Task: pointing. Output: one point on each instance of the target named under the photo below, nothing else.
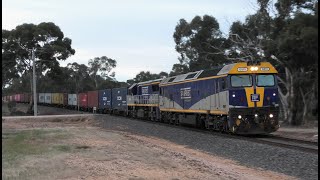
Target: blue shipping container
(105, 99)
(119, 99)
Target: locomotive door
(214, 100)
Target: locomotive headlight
(271, 115)
(255, 115)
(274, 94)
(233, 95)
(239, 117)
(254, 68)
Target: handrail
(143, 99)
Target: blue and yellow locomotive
(238, 98)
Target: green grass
(18, 147)
(18, 144)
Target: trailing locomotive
(240, 98)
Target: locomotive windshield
(265, 80)
(241, 81)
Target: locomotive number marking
(255, 97)
(144, 90)
(185, 93)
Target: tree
(45, 40)
(79, 76)
(290, 42)
(146, 76)
(9, 71)
(104, 65)
(179, 69)
(296, 49)
(194, 42)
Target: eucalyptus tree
(102, 66)
(45, 40)
(195, 41)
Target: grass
(18, 144)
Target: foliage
(194, 42)
(288, 39)
(104, 65)
(45, 40)
(146, 76)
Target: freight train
(239, 98)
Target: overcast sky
(136, 33)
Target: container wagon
(93, 99)
(48, 97)
(83, 101)
(105, 101)
(119, 101)
(72, 101)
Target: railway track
(307, 146)
(296, 144)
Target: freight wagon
(105, 101)
(83, 101)
(119, 100)
(93, 100)
(72, 101)
(47, 98)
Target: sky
(138, 34)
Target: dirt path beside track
(75, 147)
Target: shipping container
(119, 100)
(105, 100)
(22, 98)
(93, 100)
(72, 100)
(64, 99)
(17, 97)
(41, 98)
(47, 99)
(83, 101)
(55, 98)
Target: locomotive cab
(253, 98)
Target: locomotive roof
(155, 81)
(235, 68)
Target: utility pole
(35, 108)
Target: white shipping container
(47, 98)
(41, 97)
(72, 100)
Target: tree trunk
(287, 100)
(95, 81)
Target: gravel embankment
(291, 162)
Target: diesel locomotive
(240, 98)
